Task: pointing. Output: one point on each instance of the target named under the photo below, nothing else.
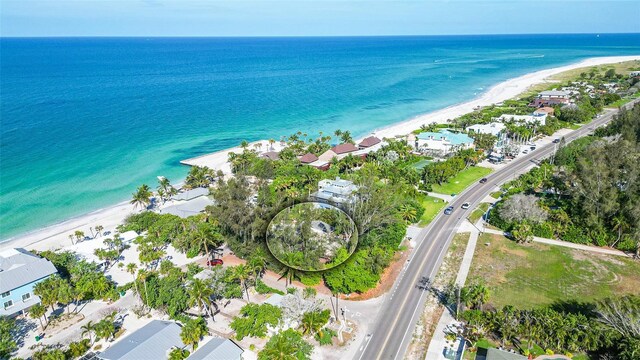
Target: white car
(465, 205)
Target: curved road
(397, 317)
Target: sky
(313, 17)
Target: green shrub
(311, 278)
(263, 288)
(325, 336)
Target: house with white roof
(338, 191)
(539, 118)
(494, 128)
(217, 349)
(20, 271)
(442, 143)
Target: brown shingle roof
(370, 141)
(308, 158)
(272, 155)
(344, 148)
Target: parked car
(532, 148)
(556, 140)
(453, 195)
(215, 262)
(448, 210)
(525, 151)
(483, 180)
(465, 205)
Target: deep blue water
(86, 120)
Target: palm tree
(408, 213)
(71, 237)
(279, 349)
(79, 235)
(312, 323)
(88, 328)
(242, 273)
(193, 331)
(99, 229)
(257, 263)
(619, 224)
(244, 144)
(143, 274)
(271, 142)
(200, 294)
(38, 311)
(141, 197)
(132, 269)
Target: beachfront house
(271, 155)
(551, 97)
(494, 128)
(153, 341)
(369, 142)
(20, 271)
(308, 158)
(442, 143)
(335, 192)
(538, 119)
(344, 149)
(634, 74)
(188, 203)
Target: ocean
(84, 121)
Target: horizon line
(308, 36)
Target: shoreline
(56, 235)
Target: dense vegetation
(609, 329)
(588, 193)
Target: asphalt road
(399, 314)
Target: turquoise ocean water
(83, 121)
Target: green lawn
(532, 275)
(432, 207)
(478, 212)
(463, 179)
(496, 194)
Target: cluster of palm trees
(103, 329)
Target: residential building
(496, 354)
(20, 271)
(634, 74)
(369, 142)
(271, 155)
(338, 191)
(217, 349)
(153, 341)
(327, 156)
(191, 194)
(344, 148)
(493, 128)
(544, 110)
(308, 158)
(535, 118)
(551, 97)
(442, 143)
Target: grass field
(535, 274)
(496, 194)
(432, 207)
(463, 179)
(478, 212)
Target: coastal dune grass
(462, 180)
(532, 275)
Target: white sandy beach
(56, 236)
